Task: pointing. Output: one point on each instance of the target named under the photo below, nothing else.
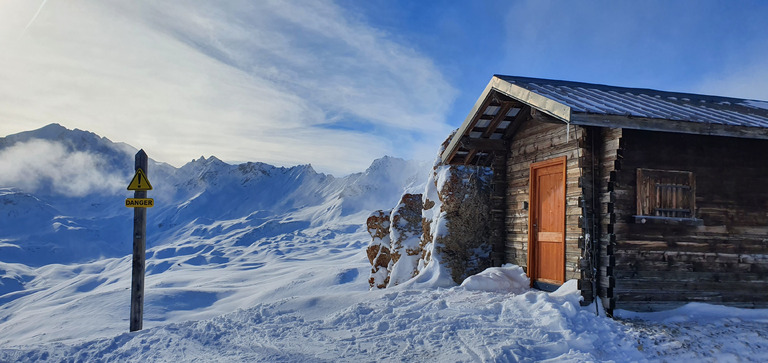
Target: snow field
(258, 263)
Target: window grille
(666, 193)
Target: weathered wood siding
(498, 209)
(591, 149)
(609, 159)
(537, 141)
(658, 266)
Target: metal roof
(586, 98)
(589, 104)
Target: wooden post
(139, 251)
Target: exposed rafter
(519, 119)
(500, 116)
(471, 121)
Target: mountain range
(62, 208)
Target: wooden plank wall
(538, 141)
(660, 266)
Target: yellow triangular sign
(140, 181)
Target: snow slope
(253, 262)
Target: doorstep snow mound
(508, 278)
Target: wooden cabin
(649, 199)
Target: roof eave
(666, 125)
(454, 143)
(537, 101)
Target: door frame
(533, 199)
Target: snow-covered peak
(303, 169)
(212, 160)
(72, 140)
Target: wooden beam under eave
(483, 144)
(496, 121)
(521, 117)
(468, 159)
(685, 127)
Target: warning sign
(140, 181)
(139, 202)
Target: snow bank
(508, 278)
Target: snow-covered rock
(451, 241)
(456, 210)
(379, 249)
(405, 232)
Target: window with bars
(666, 194)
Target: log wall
(660, 265)
(498, 209)
(537, 141)
(609, 160)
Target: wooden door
(546, 232)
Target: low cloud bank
(48, 167)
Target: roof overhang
(664, 125)
(475, 142)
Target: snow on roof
(586, 98)
(755, 104)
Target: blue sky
(338, 84)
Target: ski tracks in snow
(445, 325)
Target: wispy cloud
(739, 79)
(676, 46)
(273, 81)
(40, 164)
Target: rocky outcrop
(394, 250)
(456, 227)
(379, 249)
(405, 233)
(444, 231)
